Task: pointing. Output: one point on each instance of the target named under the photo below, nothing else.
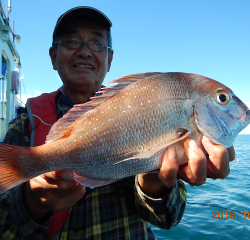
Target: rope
(42, 120)
(211, 205)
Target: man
(53, 205)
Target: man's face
(82, 68)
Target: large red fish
(125, 131)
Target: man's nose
(84, 51)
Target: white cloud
(24, 97)
(37, 92)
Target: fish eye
(222, 97)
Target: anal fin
(91, 183)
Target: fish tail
(10, 173)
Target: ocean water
(219, 209)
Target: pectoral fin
(155, 150)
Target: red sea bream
(125, 131)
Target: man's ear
(110, 58)
(52, 53)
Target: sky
(206, 37)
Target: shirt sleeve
(163, 212)
(18, 132)
(15, 222)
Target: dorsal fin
(63, 127)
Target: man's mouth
(83, 66)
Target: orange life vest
(42, 115)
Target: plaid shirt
(116, 211)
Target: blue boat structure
(10, 69)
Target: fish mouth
(245, 118)
(84, 65)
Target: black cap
(83, 12)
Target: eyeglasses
(76, 44)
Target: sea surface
(219, 209)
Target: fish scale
(126, 130)
(128, 147)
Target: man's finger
(60, 180)
(218, 164)
(64, 175)
(60, 175)
(195, 171)
(231, 153)
(169, 167)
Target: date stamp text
(227, 214)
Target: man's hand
(54, 191)
(156, 185)
(195, 172)
(199, 167)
